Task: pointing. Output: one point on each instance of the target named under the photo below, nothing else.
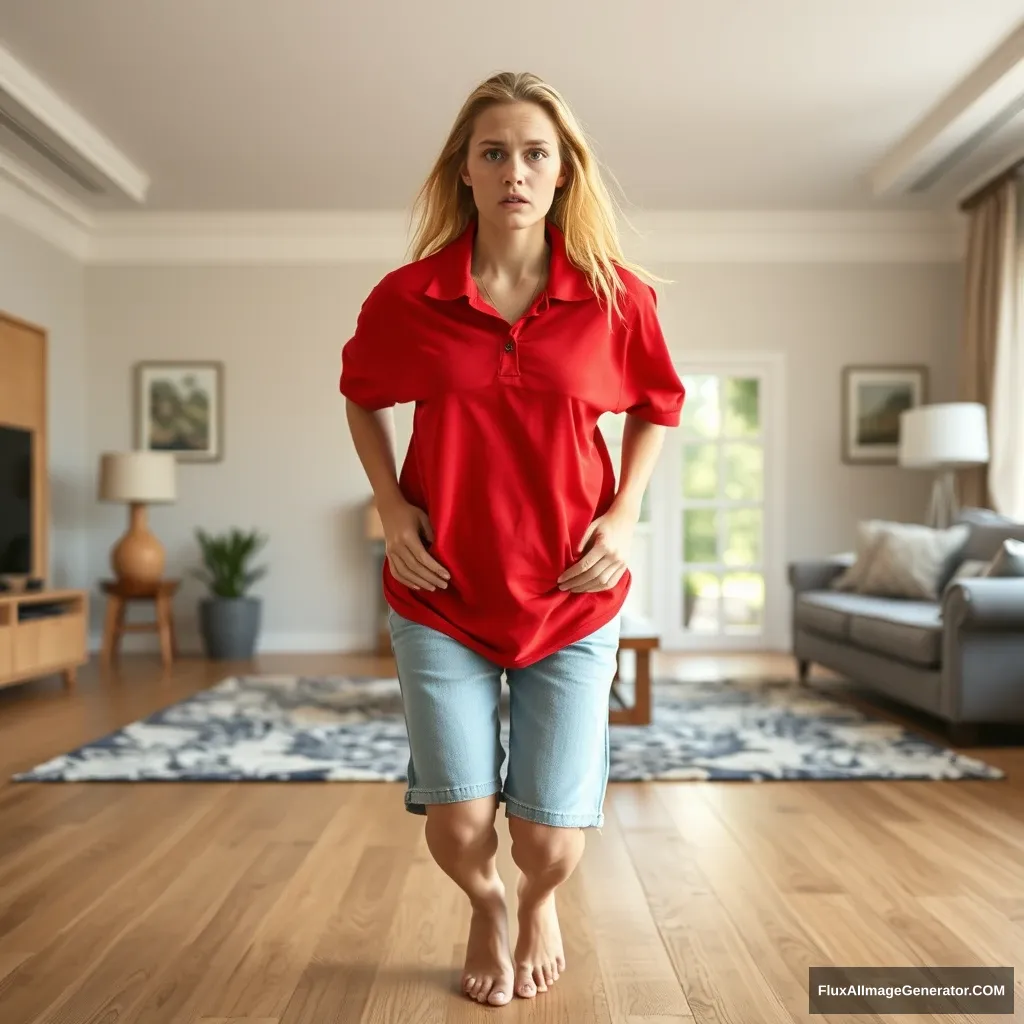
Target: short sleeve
(651, 388)
(371, 361)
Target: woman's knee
(547, 848)
(463, 825)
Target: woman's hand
(602, 566)
(406, 553)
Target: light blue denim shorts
(556, 726)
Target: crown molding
(26, 201)
(650, 237)
(336, 237)
(35, 96)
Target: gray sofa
(960, 658)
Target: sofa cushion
(824, 612)
(908, 630)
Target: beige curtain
(990, 333)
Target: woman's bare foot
(539, 956)
(487, 975)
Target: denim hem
(417, 799)
(562, 819)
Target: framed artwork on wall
(179, 407)
(872, 399)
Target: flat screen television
(15, 501)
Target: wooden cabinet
(42, 633)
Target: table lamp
(138, 479)
(944, 438)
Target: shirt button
(509, 346)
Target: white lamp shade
(147, 477)
(947, 435)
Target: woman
(514, 327)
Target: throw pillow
(867, 534)
(1008, 560)
(912, 561)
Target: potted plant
(229, 618)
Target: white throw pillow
(1008, 560)
(912, 561)
(867, 534)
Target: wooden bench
(639, 635)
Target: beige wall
(45, 286)
(290, 468)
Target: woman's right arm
(373, 434)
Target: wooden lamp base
(138, 558)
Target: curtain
(992, 366)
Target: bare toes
(499, 995)
(524, 983)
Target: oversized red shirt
(505, 456)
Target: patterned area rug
(297, 728)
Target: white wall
(45, 286)
(290, 468)
(822, 317)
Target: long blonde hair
(583, 209)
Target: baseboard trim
(190, 644)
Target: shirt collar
(453, 279)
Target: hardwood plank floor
(297, 903)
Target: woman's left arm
(602, 566)
(641, 446)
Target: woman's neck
(511, 258)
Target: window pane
(744, 472)
(701, 415)
(743, 602)
(700, 535)
(700, 602)
(742, 401)
(700, 471)
(742, 536)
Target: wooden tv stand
(33, 645)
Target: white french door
(708, 554)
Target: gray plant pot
(230, 626)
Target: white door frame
(665, 507)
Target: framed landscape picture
(179, 407)
(872, 399)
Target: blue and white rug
(299, 728)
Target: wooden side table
(640, 636)
(119, 596)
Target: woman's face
(513, 150)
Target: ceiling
(298, 105)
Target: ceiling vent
(972, 134)
(36, 146)
(45, 135)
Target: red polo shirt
(505, 457)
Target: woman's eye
(540, 153)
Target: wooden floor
(316, 903)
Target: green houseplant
(229, 616)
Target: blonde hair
(583, 209)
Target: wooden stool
(119, 596)
(640, 636)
